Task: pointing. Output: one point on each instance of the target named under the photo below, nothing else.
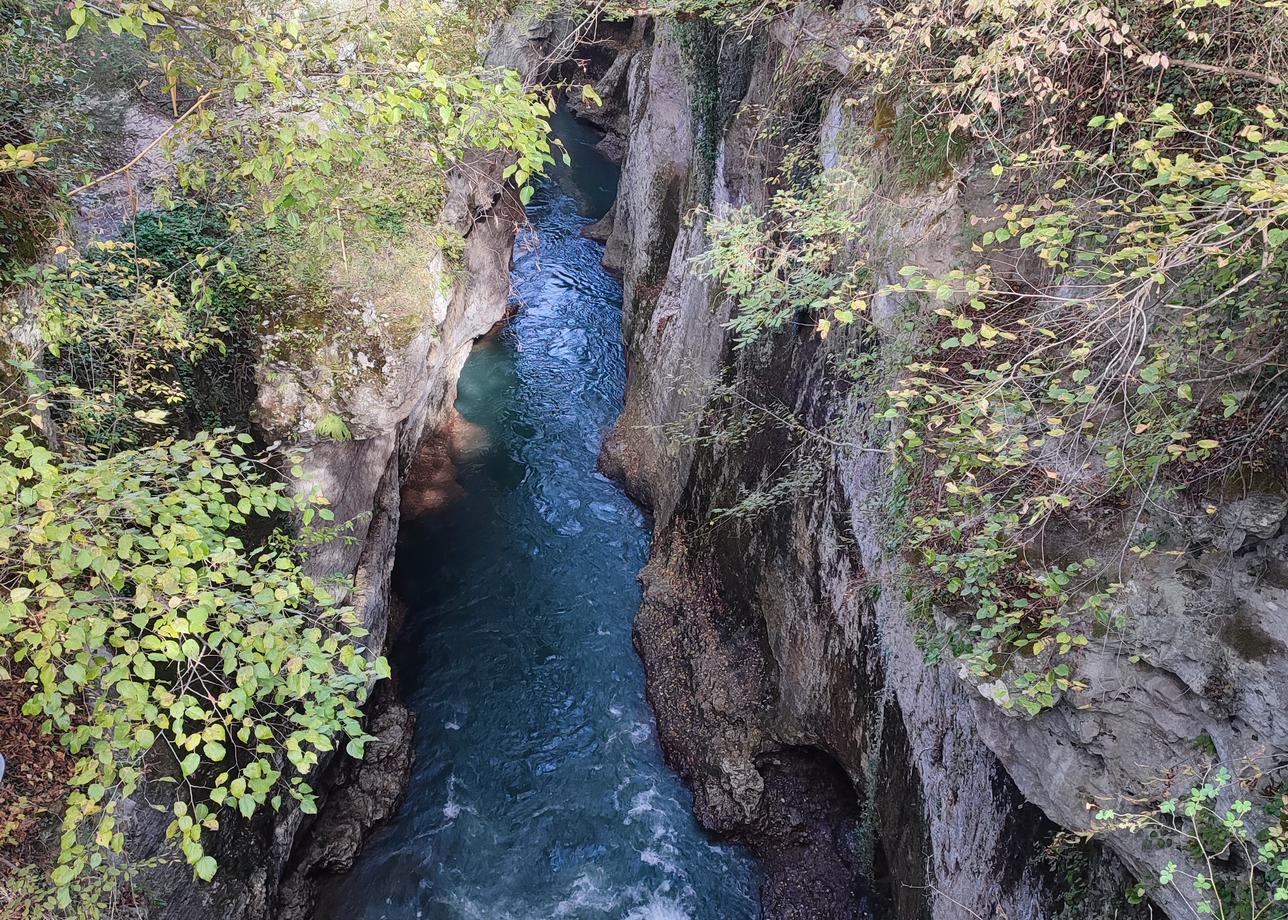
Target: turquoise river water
(539, 788)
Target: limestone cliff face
(765, 636)
(780, 643)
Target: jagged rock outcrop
(388, 368)
(647, 238)
(102, 210)
(788, 630)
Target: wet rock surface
(431, 481)
(809, 840)
(713, 683)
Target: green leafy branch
(147, 628)
(1236, 857)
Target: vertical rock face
(411, 396)
(780, 647)
(772, 655)
(390, 388)
(652, 244)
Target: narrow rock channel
(539, 788)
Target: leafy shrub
(27, 892)
(1236, 855)
(119, 331)
(320, 146)
(1154, 366)
(224, 280)
(147, 625)
(787, 262)
(151, 596)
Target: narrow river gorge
(851, 485)
(539, 788)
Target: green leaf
(206, 868)
(144, 668)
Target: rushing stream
(539, 789)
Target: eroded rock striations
(781, 650)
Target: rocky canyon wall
(782, 648)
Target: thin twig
(146, 150)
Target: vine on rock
(1116, 335)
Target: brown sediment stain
(466, 439)
(432, 482)
(1242, 633)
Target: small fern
(333, 427)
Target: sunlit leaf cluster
(158, 625)
(117, 330)
(784, 262)
(1149, 356)
(330, 119)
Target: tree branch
(146, 150)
